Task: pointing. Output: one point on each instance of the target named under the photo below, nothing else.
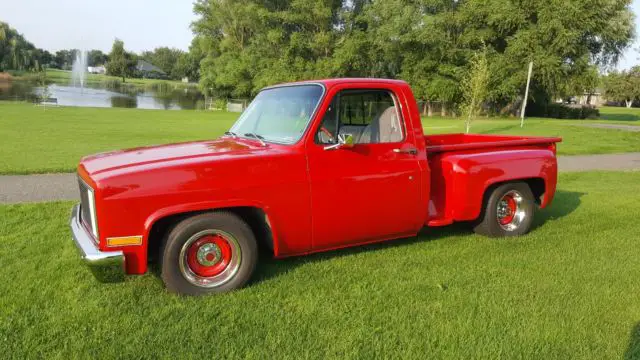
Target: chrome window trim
(396, 104)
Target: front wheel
(508, 211)
(208, 253)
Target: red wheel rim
(209, 256)
(509, 209)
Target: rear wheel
(508, 211)
(208, 253)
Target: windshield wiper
(231, 133)
(256, 136)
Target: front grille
(85, 211)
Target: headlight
(92, 211)
(88, 208)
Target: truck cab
(308, 167)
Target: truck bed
(462, 142)
(463, 166)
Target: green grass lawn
(621, 115)
(568, 290)
(35, 140)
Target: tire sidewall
(180, 234)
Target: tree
(538, 31)
(16, 53)
(96, 58)
(64, 58)
(623, 86)
(187, 66)
(121, 63)
(165, 58)
(252, 44)
(474, 87)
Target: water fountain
(79, 69)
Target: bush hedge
(562, 111)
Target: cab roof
(332, 82)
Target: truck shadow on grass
(564, 204)
(269, 268)
(633, 349)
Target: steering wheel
(328, 133)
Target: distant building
(149, 71)
(96, 69)
(594, 98)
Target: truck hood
(113, 160)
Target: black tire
(488, 223)
(180, 279)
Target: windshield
(280, 114)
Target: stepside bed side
(459, 181)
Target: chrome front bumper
(106, 266)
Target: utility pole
(526, 95)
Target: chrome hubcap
(209, 254)
(210, 258)
(504, 210)
(510, 211)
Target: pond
(160, 96)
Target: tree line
(19, 54)
(249, 44)
(16, 53)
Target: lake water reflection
(95, 95)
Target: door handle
(410, 151)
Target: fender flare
(206, 206)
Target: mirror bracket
(345, 141)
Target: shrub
(562, 111)
(220, 104)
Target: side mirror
(345, 141)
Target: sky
(631, 57)
(92, 24)
(141, 24)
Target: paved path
(34, 188)
(628, 161)
(52, 187)
(632, 128)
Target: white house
(96, 69)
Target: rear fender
(466, 177)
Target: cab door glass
(370, 116)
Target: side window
(370, 116)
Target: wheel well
(536, 185)
(256, 218)
(537, 188)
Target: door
(370, 191)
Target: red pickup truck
(308, 167)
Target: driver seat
(385, 128)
